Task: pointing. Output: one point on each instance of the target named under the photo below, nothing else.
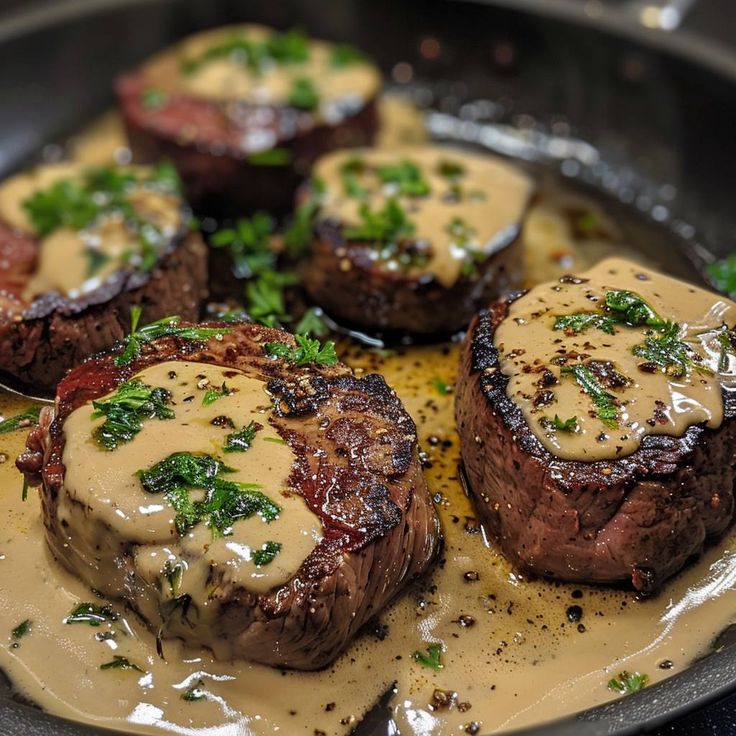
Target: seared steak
(635, 518)
(413, 240)
(242, 137)
(351, 467)
(45, 329)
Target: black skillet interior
(659, 117)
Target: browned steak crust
(205, 145)
(40, 342)
(342, 277)
(637, 518)
(356, 467)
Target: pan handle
(663, 15)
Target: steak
(637, 518)
(355, 465)
(415, 239)
(41, 341)
(234, 154)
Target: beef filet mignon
(79, 248)
(568, 490)
(336, 454)
(413, 239)
(243, 111)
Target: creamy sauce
(228, 78)
(535, 356)
(486, 200)
(73, 261)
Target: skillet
(653, 116)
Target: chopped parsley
(213, 394)
(224, 501)
(574, 324)
(303, 94)
(431, 658)
(312, 323)
(125, 411)
(626, 683)
(565, 425)
(606, 404)
(267, 553)
(241, 440)
(306, 351)
(270, 157)
(727, 342)
(248, 245)
(291, 47)
(166, 327)
(121, 663)
(450, 169)
(152, 97)
(195, 692)
(349, 173)
(665, 349)
(98, 192)
(20, 421)
(343, 54)
(21, 629)
(387, 225)
(91, 614)
(266, 297)
(406, 177)
(443, 388)
(723, 275)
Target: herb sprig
(606, 404)
(242, 440)
(626, 683)
(126, 410)
(266, 554)
(666, 350)
(387, 225)
(224, 501)
(20, 421)
(166, 327)
(306, 351)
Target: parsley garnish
(723, 275)
(349, 173)
(344, 54)
(574, 324)
(303, 94)
(450, 169)
(121, 663)
(21, 629)
(284, 48)
(266, 301)
(306, 351)
(727, 342)
(248, 245)
(442, 387)
(166, 327)
(91, 614)
(665, 349)
(312, 323)
(432, 658)
(241, 440)
(626, 683)
(270, 157)
(606, 404)
(266, 554)
(98, 192)
(20, 421)
(153, 97)
(212, 394)
(224, 501)
(387, 225)
(406, 177)
(125, 411)
(195, 692)
(565, 425)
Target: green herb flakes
(387, 225)
(242, 440)
(307, 351)
(723, 275)
(153, 98)
(195, 692)
(405, 177)
(21, 629)
(626, 683)
(126, 410)
(91, 614)
(431, 658)
(224, 501)
(213, 394)
(121, 663)
(24, 420)
(266, 554)
(312, 323)
(606, 404)
(303, 94)
(344, 54)
(565, 425)
(270, 157)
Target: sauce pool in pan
(472, 649)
